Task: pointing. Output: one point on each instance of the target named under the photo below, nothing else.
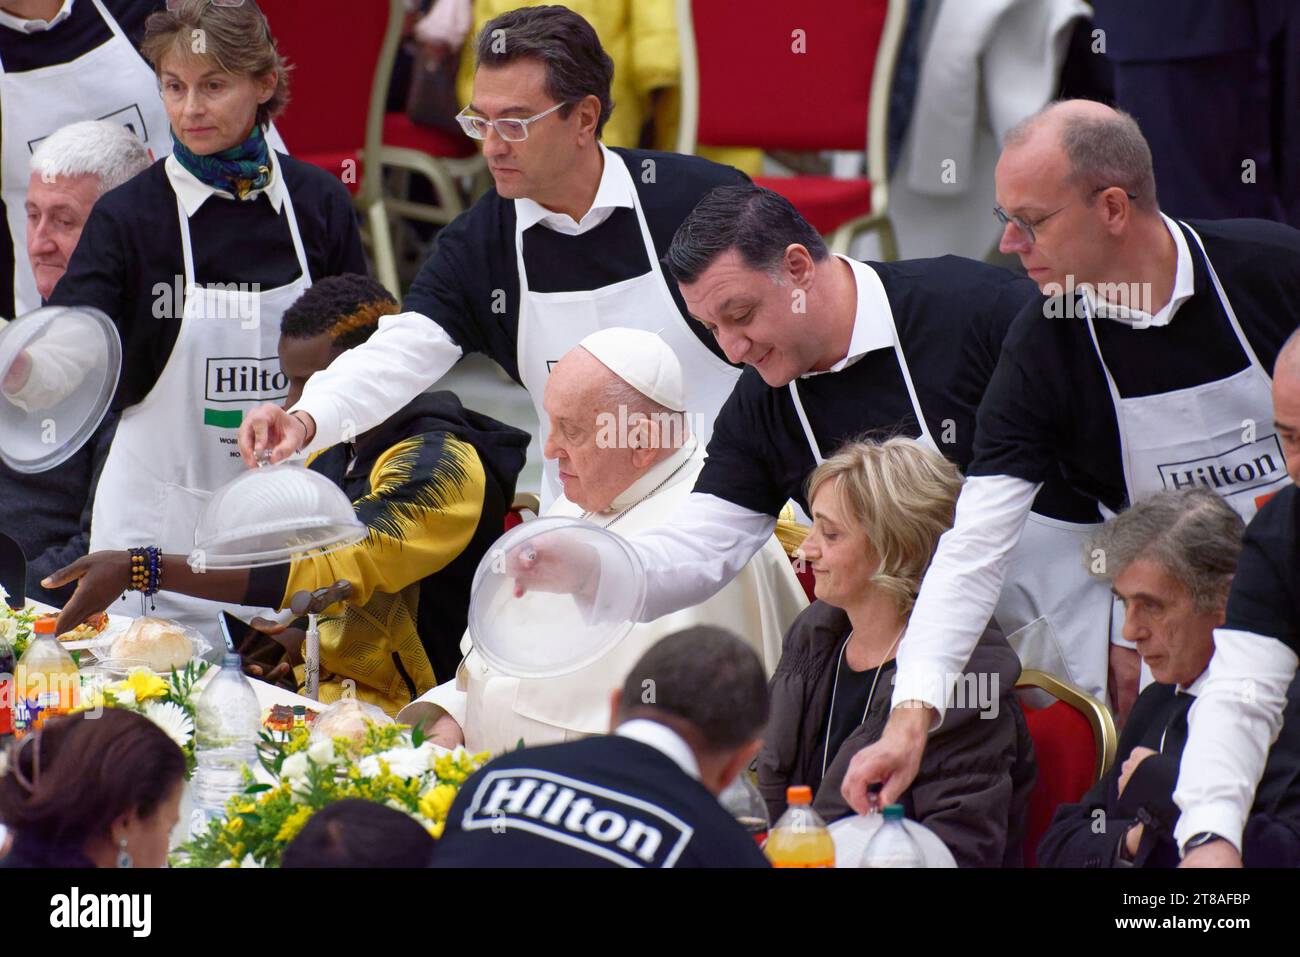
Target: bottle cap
(300, 709)
(44, 626)
(232, 660)
(894, 812)
(798, 794)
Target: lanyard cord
(830, 714)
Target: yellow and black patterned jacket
(433, 485)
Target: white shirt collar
(663, 739)
(193, 192)
(36, 26)
(873, 325)
(1184, 288)
(615, 190)
(652, 477)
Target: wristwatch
(1199, 839)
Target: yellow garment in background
(423, 507)
(640, 36)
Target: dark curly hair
(347, 307)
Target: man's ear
(643, 438)
(614, 697)
(738, 761)
(799, 265)
(588, 110)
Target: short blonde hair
(237, 39)
(903, 495)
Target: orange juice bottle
(800, 838)
(46, 681)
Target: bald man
(1144, 368)
(625, 451)
(1239, 713)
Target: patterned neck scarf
(240, 170)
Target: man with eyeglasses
(1145, 368)
(569, 242)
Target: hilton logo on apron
(1250, 466)
(241, 379)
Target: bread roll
(161, 644)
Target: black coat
(1087, 834)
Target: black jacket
(603, 801)
(1088, 834)
(973, 786)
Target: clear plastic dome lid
(591, 606)
(58, 370)
(274, 514)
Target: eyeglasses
(1027, 227)
(511, 130)
(174, 5)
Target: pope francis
(621, 437)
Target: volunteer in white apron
(109, 82)
(235, 205)
(1054, 614)
(550, 324)
(1225, 425)
(158, 488)
(1229, 422)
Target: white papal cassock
(497, 711)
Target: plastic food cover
(545, 633)
(274, 514)
(58, 370)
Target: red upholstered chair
(524, 502)
(797, 76)
(342, 54)
(1074, 745)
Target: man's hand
(101, 578)
(1136, 757)
(270, 427)
(554, 562)
(892, 761)
(271, 651)
(17, 374)
(447, 732)
(1125, 676)
(1132, 839)
(1213, 854)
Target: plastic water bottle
(800, 838)
(891, 845)
(227, 719)
(746, 805)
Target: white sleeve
(367, 384)
(961, 588)
(703, 548)
(1230, 728)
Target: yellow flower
(436, 829)
(235, 824)
(293, 824)
(145, 684)
(437, 802)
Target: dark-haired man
(433, 484)
(568, 242)
(686, 721)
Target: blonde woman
(878, 511)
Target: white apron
(178, 445)
(1054, 614)
(1219, 434)
(111, 82)
(552, 323)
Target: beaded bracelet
(146, 571)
